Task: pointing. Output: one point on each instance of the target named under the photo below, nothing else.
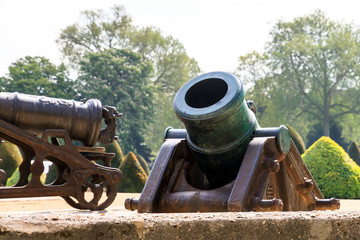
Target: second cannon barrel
(34, 114)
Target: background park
(305, 76)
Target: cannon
(223, 161)
(44, 129)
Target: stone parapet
(120, 224)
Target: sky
(214, 32)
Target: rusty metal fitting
(308, 185)
(263, 205)
(131, 204)
(326, 204)
(273, 165)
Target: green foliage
(309, 72)
(38, 76)
(354, 152)
(11, 158)
(134, 176)
(121, 78)
(14, 178)
(164, 117)
(336, 174)
(100, 31)
(144, 164)
(11, 181)
(297, 139)
(114, 147)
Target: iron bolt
(273, 166)
(274, 204)
(131, 204)
(325, 204)
(308, 185)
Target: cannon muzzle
(82, 120)
(219, 123)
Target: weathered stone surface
(121, 224)
(52, 218)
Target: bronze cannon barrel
(218, 122)
(82, 120)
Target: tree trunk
(326, 126)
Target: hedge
(336, 174)
(114, 147)
(144, 164)
(354, 152)
(297, 139)
(11, 158)
(11, 181)
(134, 177)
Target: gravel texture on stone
(121, 224)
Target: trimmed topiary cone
(11, 181)
(144, 164)
(297, 139)
(336, 174)
(354, 152)
(134, 176)
(11, 158)
(114, 147)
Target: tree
(164, 117)
(173, 67)
(121, 78)
(38, 76)
(100, 30)
(313, 66)
(260, 87)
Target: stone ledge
(121, 224)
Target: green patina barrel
(219, 123)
